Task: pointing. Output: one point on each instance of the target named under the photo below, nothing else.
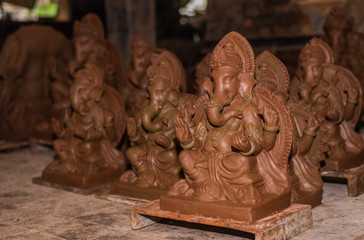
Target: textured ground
(29, 211)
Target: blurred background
(189, 28)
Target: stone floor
(29, 211)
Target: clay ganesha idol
(153, 154)
(24, 81)
(235, 159)
(86, 153)
(90, 45)
(308, 144)
(142, 56)
(334, 95)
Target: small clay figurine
(90, 45)
(235, 159)
(153, 154)
(86, 153)
(334, 96)
(347, 45)
(24, 81)
(141, 57)
(308, 144)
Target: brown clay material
(235, 152)
(24, 89)
(142, 56)
(84, 190)
(134, 191)
(282, 225)
(334, 96)
(90, 46)
(307, 150)
(345, 43)
(225, 210)
(354, 178)
(86, 151)
(153, 152)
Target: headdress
(316, 48)
(90, 26)
(234, 51)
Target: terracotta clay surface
(334, 95)
(347, 45)
(153, 153)
(25, 82)
(90, 45)
(283, 225)
(142, 56)
(234, 155)
(308, 147)
(88, 135)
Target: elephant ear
(271, 73)
(344, 79)
(282, 148)
(112, 102)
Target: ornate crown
(234, 51)
(316, 48)
(90, 25)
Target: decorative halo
(241, 46)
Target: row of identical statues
(246, 145)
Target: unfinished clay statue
(347, 45)
(90, 45)
(86, 153)
(334, 96)
(153, 154)
(24, 81)
(308, 145)
(141, 57)
(235, 159)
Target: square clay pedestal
(133, 191)
(79, 184)
(282, 225)
(353, 177)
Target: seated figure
(234, 156)
(308, 144)
(153, 153)
(334, 95)
(86, 141)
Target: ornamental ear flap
(247, 83)
(173, 97)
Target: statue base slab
(310, 198)
(349, 161)
(6, 145)
(84, 191)
(285, 224)
(268, 205)
(134, 191)
(80, 181)
(353, 177)
(105, 195)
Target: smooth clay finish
(87, 137)
(308, 147)
(334, 96)
(142, 56)
(235, 158)
(153, 153)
